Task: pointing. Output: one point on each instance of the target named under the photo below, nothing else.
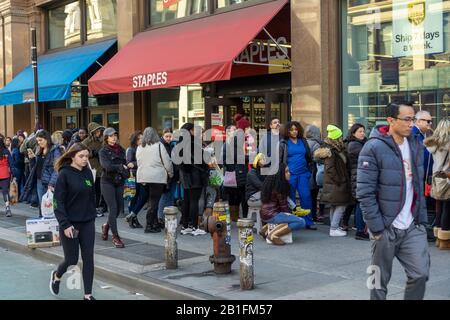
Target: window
(101, 18)
(163, 11)
(227, 3)
(394, 51)
(64, 25)
(65, 22)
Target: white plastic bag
(47, 205)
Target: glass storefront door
(394, 51)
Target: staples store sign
(150, 80)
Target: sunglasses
(428, 121)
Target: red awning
(196, 51)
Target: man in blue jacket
(390, 190)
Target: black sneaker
(362, 236)
(100, 213)
(89, 298)
(54, 284)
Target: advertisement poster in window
(417, 27)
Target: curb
(135, 282)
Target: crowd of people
(293, 175)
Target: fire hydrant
(222, 257)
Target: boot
(444, 239)
(263, 231)
(105, 230)
(117, 241)
(276, 234)
(234, 213)
(135, 223)
(436, 231)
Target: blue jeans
(139, 200)
(165, 201)
(41, 190)
(360, 224)
(300, 183)
(294, 222)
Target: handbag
(440, 189)
(129, 191)
(428, 183)
(229, 179)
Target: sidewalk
(315, 266)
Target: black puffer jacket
(112, 164)
(354, 147)
(192, 175)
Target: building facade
(340, 62)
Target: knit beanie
(243, 123)
(334, 132)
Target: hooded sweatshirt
(74, 198)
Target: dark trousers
(155, 191)
(314, 194)
(443, 214)
(4, 186)
(189, 211)
(99, 201)
(114, 200)
(348, 212)
(71, 248)
(236, 197)
(139, 200)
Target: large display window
(394, 50)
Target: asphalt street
(26, 278)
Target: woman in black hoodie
(75, 211)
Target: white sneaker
(198, 232)
(337, 233)
(187, 230)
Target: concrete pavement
(315, 266)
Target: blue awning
(56, 72)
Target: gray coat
(381, 182)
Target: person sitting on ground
(275, 209)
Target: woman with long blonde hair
(439, 146)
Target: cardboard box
(42, 232)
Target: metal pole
(246, 253)
(171, 252)
(35, 73)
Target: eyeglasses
(407, 119)
(428, 121)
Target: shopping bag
(130, 188)
(94, 171)
(13, 192)
(230, 179)
(215, 177)
(47, 205)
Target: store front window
(196, 107)
(168, 10)
(64, 25)
(394, 51)
(164, 109)
(101, 18)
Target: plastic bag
(13, 192)
(47, 205)
(130, 188)
(215, 178)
